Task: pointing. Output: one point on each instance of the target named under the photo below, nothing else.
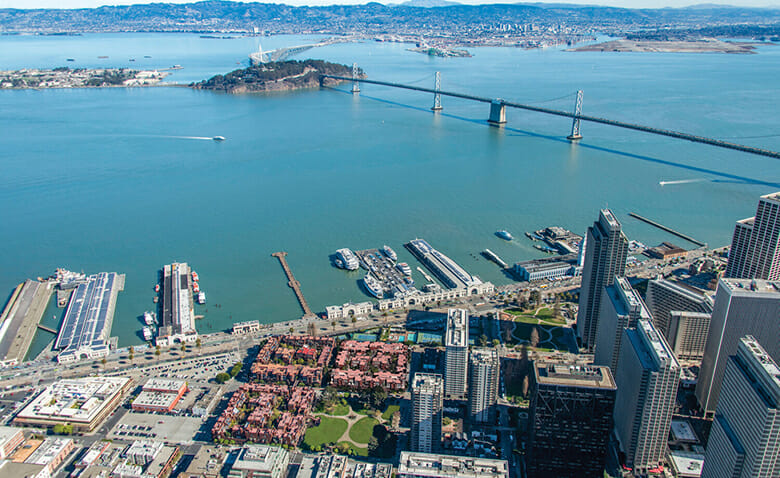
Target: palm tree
(103, 362)
(333, 324)
(198, 343)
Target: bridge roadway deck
(593, 119)
(294, 284)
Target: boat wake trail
(201, 138)
(683, 181)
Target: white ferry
(149, 318)
(201, 297)
(346, 259)
(389, 253)
(404, 268)
(148, 334)
(503, 234)
(373, 286)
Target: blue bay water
(111, 179)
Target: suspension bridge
(498, 107)
(280, 54)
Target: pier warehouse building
(87, 324)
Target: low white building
(429, 465)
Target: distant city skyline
(611, 3)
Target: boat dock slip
(383, 269)
(667, 229)
(20, 318)
(85, 330)
(294, 285)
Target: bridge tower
(575, 124)
(497, 112)
(437, 95)
(355, 78)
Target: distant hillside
(275, 76)
(371, 18)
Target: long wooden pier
(294, 285)
(667, 229)
(47, 329)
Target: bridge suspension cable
(500, 103)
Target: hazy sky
(617, 3)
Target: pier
(667, 229)
(23, 312)
(47, 329)
(294, 285)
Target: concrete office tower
(621, 307)
(427, 390)
(682, 314)
(456, 342)
(571, 410)
(742, 307)
(745, 437)
(483, 384)
(647, 382)
(754, 250)
(605, 258)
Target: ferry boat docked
(195, 276)
(195, 287)
(504, 234)
(373, 286)
(201, 297)
(147, 332)
(149, 318)
(346, 259)
(404, 268)
(157, 288)
(389, 253)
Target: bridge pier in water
(437, 96)
(497, 113)
(355, 77)
(575, 124)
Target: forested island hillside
(276, 76)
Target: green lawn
(337, 409)
(523, 331)
(362, 430)
(391, 409)
(328, 431)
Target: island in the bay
(277, 76)
(64, 77)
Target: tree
(557, 306)
(483, 340)
(157, 353)
(103, 362)
(183, 347)
(354, 319)
(333, 324)
(496, 342)
(198, 343)
(222, 377)
(534, 337)
(292, 330)
(535, 297)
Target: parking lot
(195, 369)
(152, 426)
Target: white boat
(373, 286)
(389, 253)
(148, 318)
(148, 334)
(218, 138)
(348, 259)
(201, 297)
(404, 268)
(503, 234)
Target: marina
(383, 277)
